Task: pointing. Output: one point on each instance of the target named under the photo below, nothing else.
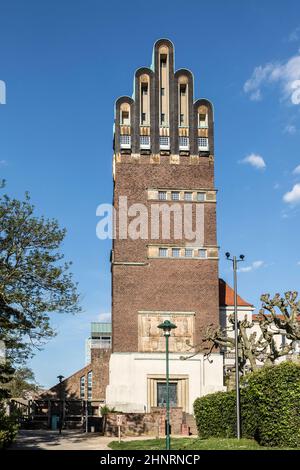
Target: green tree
(22, 383)
(34, 279)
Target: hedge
(270, 408)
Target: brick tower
(163, 172)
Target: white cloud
(290, 129)
(293, 196)
(295, 35)
(254, 160)
(252, 267)
(287, 74)
(104, 317)
(296, 171)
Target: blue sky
(64, 64)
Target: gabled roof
(226, 296)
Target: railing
(125, 141)
(184, 143)
(203, 143)
(145, 141)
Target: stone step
(191, 422)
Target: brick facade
(99, 367)
(138, 282)
(153, 423)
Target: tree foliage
(277, 316)
(22, 383)
(34, 279)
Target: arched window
(183, 102)
(125, 120)
(144, 100)
(203, 117)
(164, 85)
(125, 114)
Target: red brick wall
(162, 284)
(100, 368)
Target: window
(183, 89)
(145, 141)
(162, 394)
(82, 387)
(90, 385)
(162, 118)
(162, 195)
(163, 61)
(164, 142)
(188, 196)
(200, 197)
(162, 92)
(203, 143)
(125, 118)
(181, 119)
(125, 141)
(203, 121)
(175, 195)
(188, 252)
(176, 252)
(163, 252)
(202, 253)
(144, 104)
(183, 143)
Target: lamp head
(60, 377)
(227, 254)
(167, 326)
(242, 257)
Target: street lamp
(60, 378)
(235, 261)
(167, 326)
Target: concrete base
(133, 379)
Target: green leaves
(34, 280)
(270, 408)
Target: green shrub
(8, 428)
(270, 408)
(215, 415)
(275, 392)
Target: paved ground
(68, 440)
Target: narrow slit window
(144, 104)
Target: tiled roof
(226, 296)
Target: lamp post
(235, 261)
(60, 378)
(167, 326)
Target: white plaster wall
(127, 389)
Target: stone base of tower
(137, 380)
